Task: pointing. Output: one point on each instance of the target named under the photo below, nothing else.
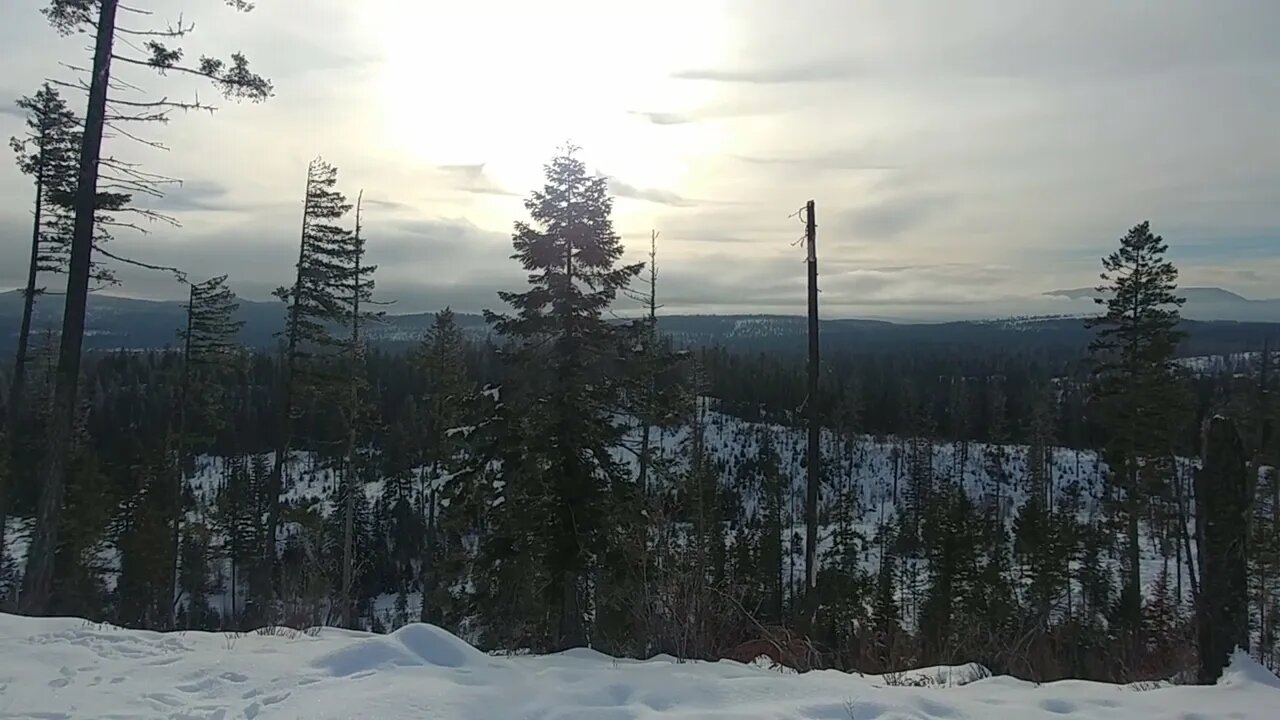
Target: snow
(68, 668)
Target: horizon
(1065, 308)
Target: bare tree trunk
(38, 580)
(285, 438)
(1223, 508)
(353, 412)
(814, 452)
(180, 479)
(430, 613)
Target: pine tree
(233, 80)
(1136, 387)
(315, 307)
(1041, 542)
(886, 617)
(208, 347)
(774, 527)
(447, 494)
(564, 346)
(47, 153)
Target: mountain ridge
(1202, 303)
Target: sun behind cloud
(505, 83)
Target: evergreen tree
(233, 80)
(311, 349)
(1136, 388)
(564, 347)
(448, 500)
(886, 617)
(774, 527)
(47, 153)
(208, 347)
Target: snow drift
(62, 668)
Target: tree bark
(1223, 506)
(38, 580)
(180, 479)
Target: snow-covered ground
(62, 668)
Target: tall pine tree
(564, 348)
(1136, 389)
(315, 309)
(209, 347)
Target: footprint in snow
(1056, 705)
(274, 699)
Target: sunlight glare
(506, 83)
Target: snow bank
(66, 668)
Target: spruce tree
(209, 347)
(774, 527)
(311, 349)
(47, 153)
(447, 494)
(1136, 388)
(564, 346)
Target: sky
(965, 157)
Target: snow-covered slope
(61, 668)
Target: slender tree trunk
(180, 479)
(1223, 508)
(286, 415)
(353, 411)
(814, 452)
(39, 575)
(430, 613)
(18, 383)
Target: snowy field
(61, 668)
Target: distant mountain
(121, 322)
(1204, 303)
(129, 323)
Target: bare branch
(135, 138)
(170, 31)
(179, 274)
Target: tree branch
(179, 274)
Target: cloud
(665, 118)
(713, 111)
(835, 160)
(810, 72)
(194, 195)
(653, 195)
(472, 179)
(388, 204)
(893, 217)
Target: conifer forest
(570, 473)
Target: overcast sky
(964, 156)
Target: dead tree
(1223, 506)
